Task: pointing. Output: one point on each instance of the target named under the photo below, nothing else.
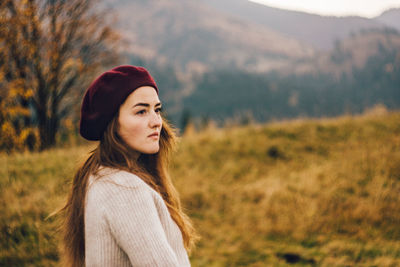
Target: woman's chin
(152, 150)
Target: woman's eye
(158, 110)
(140, 112)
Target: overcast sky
(364, 8)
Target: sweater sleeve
(134, 222)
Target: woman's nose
(155, 120)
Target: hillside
(296, 193)
(318, 31)
(391, 18)
(193, 37)
(341, 82)
(190, 45)
(199, 36)
(351, 52)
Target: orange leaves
(13, 134)
(11, 140)
(48, 51)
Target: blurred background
(287, 112)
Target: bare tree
(48, 49)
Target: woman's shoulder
(110, 187)
(109, 179)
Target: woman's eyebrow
(146, 104)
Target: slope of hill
(346, 80)
(192, 36)
(190, 40)
(351, 52)
(391, 18)
(319, 192)
(318, 31)
(196, 36)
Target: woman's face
(140, 120)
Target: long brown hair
(151, 168)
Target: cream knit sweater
(128, 224)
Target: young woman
(123, 209)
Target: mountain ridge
(198, 36)
(319, 31)
(390, 17)
(196, 51)
(195, 37)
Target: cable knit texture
(128, 224)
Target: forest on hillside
(234, 94)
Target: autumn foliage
(48, 51)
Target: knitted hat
(106, 94)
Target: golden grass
(317, 192)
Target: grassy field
(298, 193)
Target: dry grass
(315, 192)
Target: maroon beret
(105, 95)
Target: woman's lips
(154, 135)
